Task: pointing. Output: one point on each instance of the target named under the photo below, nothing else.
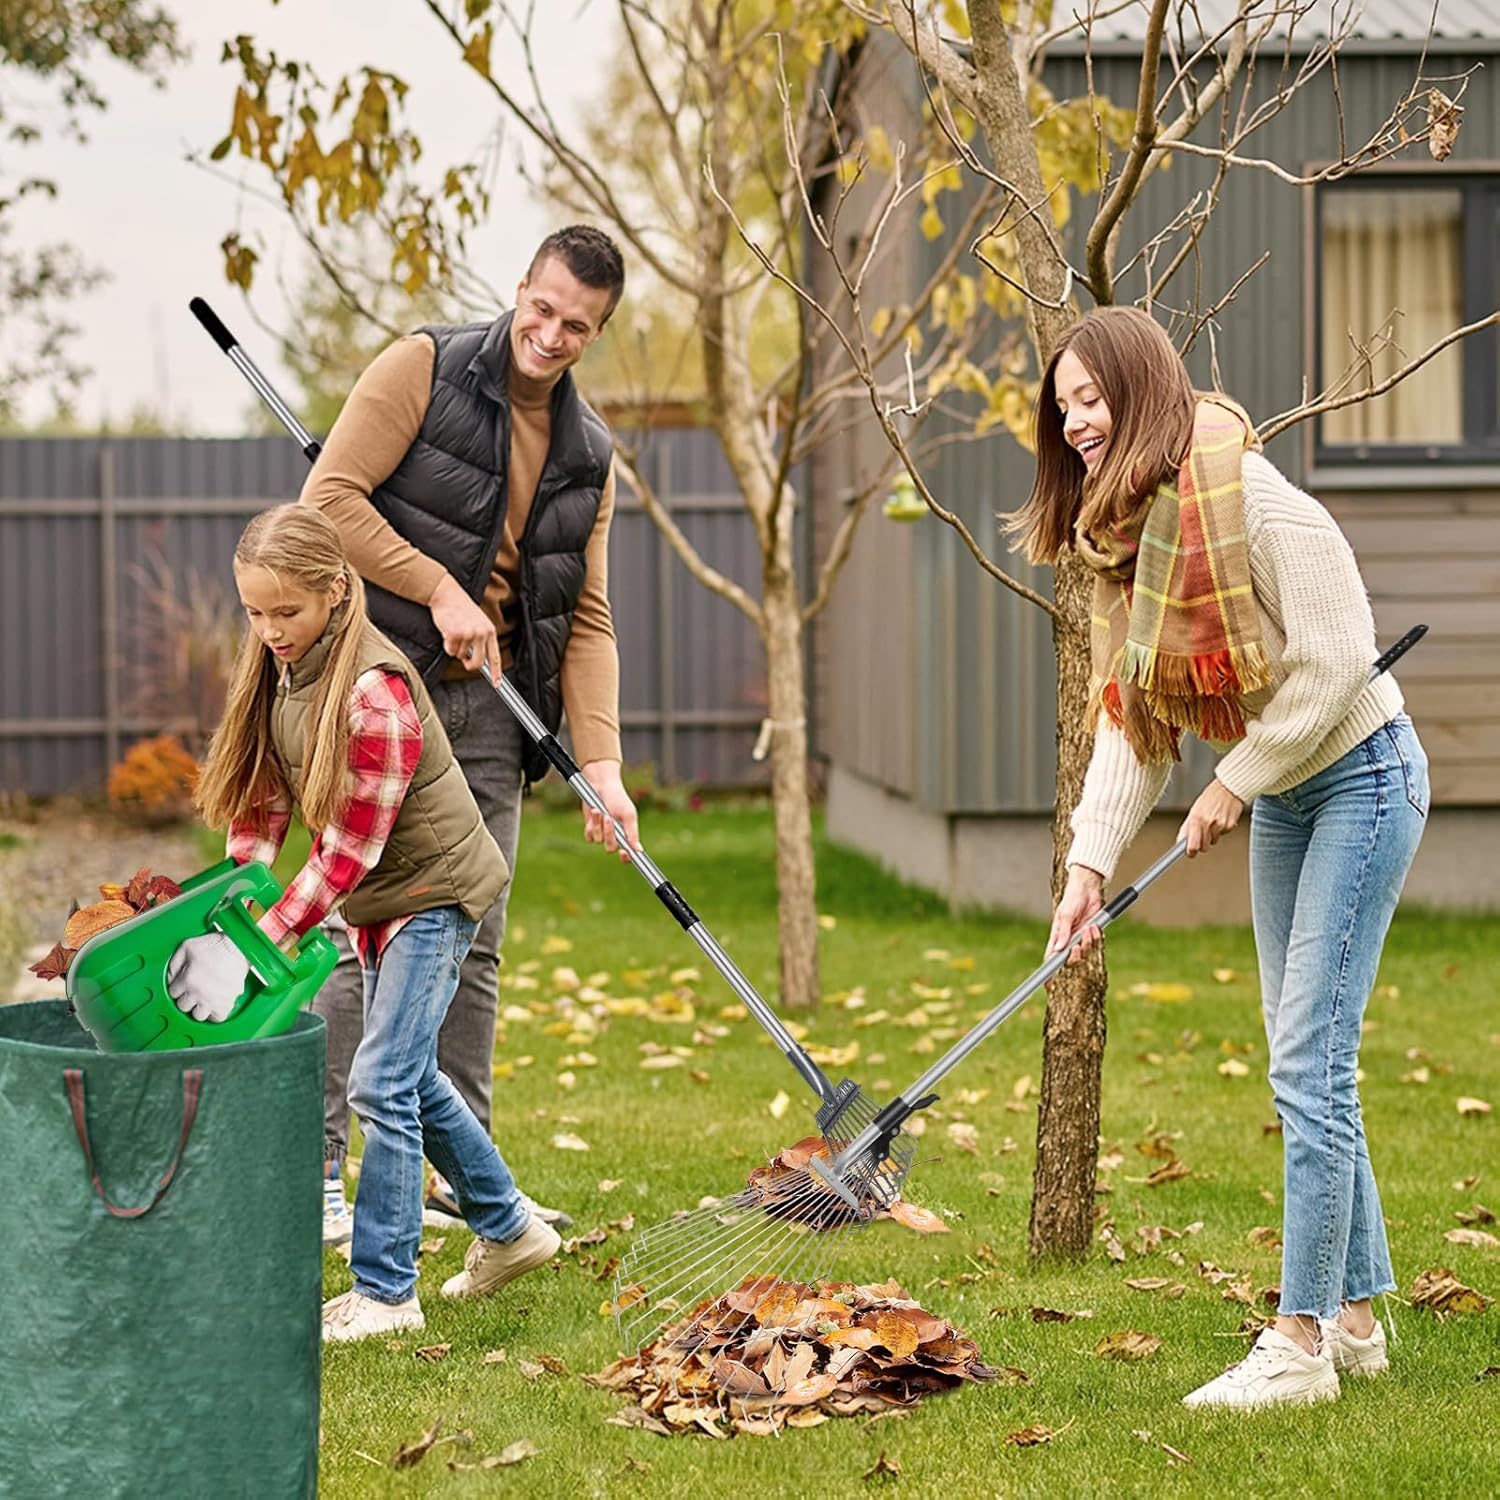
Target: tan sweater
(379, 422)
(1319, 634)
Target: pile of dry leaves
(117, 903)
(773, 1354)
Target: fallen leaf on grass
(1488, 1373)
(1171, 1172)
(1148, 1283)
(530, 1369)
(923, 1220)
(1468, 1106)
(513, 1453)
(494, 1357)
(1476, 1237)
(778, 1106)
(433, 1353)
(413, 1453)
(1479, 1214)
(882, 1465)
(566, 1141)
(432, 1244)
(1127, 1344)
(1232, 1067)
(1441, 1292)
(1265, 1234)
(1029, 1437)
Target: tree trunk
(1067, 1125)
(796, 884)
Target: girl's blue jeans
(408, 1109)
(1327, 862)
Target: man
(473, 488)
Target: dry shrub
(153, 783)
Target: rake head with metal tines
(784, 1227)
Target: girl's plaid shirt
(385, 744)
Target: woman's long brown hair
(242, 776)
(1151, 403)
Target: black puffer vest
(448, 498)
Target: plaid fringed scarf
(1175, 636)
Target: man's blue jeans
(1327, 862)
(407, 1107)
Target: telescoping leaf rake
(844, 1111)
(718, 1267)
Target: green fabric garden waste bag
(160, 1264)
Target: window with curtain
(1402, 261)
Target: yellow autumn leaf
(555, 943)
(826, 922)
(1163, 994)
(565, 1140)
(1232, 1067)
(778, 1106)
(1470, 1106)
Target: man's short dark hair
(590, 255)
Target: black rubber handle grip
(1389, 657)
(210, 320)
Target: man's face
(557, 318)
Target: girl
(1227, 602)
(323, 712)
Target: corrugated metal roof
(1377, 20)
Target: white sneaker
(1276, 1371)
(489, 1264)
(1352, 1356)
(338, 1217)
(355, 1316)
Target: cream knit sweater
(1319, 635)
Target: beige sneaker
(490, 1264)
(1352, 1356)
(355, 1316)
(1277, 1371)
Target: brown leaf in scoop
(139, 888)
(112, 891)
(162, 889)
(55, 964)
(99, 917)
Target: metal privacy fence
(117, 603)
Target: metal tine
(725, 1261)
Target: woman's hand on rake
(1082, 898)
(1216, 811)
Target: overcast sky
(134, 205)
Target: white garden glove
(206, 975)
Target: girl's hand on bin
(206, 975)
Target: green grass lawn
(1181, 1005)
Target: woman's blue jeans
(1327, 862)
(408, 1108)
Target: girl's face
(1085, 416)
(287, 618)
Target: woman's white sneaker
(1352, 1356)
(1277, 1371)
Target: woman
(1228, 603)
(324, 712)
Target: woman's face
(1085, 416)
(287, 618)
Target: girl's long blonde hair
(1151, 403)
(243, 775)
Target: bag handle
(192, 1087)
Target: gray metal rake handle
(810, 1073)
(665, 891)
(917, 1095)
